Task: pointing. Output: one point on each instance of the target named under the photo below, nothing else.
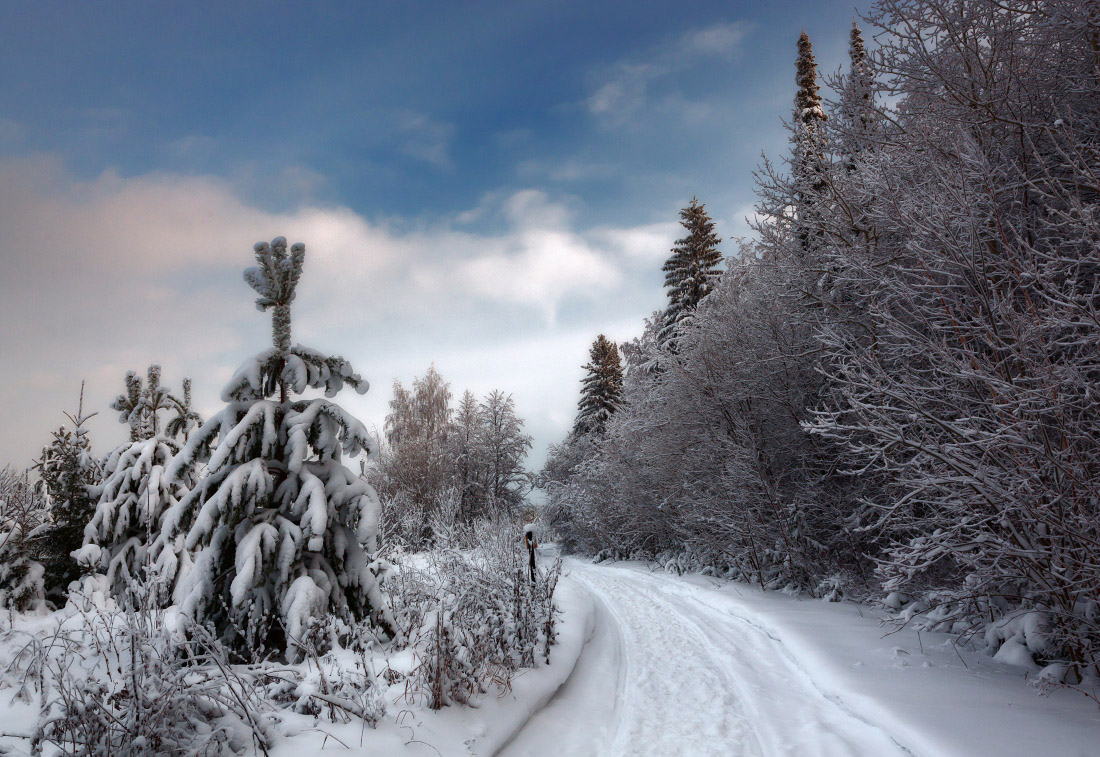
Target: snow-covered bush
(121, 681)
(284, 533)
(474, 617)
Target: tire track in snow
(691, 679)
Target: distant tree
(285, 534)
(601, 388)
(691, 270)
(68, 474)
(467, 455)
(504, 447)
(808, 164)
(418, 431)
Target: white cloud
(111, 274)
(424, 138)
(622, 89)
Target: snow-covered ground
(653, 664)
(696, 666)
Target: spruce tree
(855, 109)
(601, 389)
(124, 538)
(691, 270)
(809, 170)
(68, 475)
(185, 418)
(285, 534)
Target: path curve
(664, 673)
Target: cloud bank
(110, 274)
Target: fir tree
(130, 407)
(602, 387)
(21, 511)
(285, 534)
(856, 103)
(68, 476)
(808, 159)
(124, 538)
(691, 270)
(185, 418)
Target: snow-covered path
(665, 673)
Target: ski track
(669, 674)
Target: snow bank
(481, 729)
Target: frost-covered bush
(122, 681)
(284, 533)
(474, 617)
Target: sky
(485, 186)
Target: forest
(890, 394)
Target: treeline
(445, 464)
(893, 391)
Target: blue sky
(485, 185)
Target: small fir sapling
(125, 538)
(68, 477)
(21, 576)
(285, 534)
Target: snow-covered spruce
(285, 534)
(125, 538)
(21, 510)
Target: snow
(649, 663)
(698, 666)
(412, 729)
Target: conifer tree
(808, 166)
(691, 270)
(21, 511)
(855, 110)
(601, 389)
(185, 418)
(130, 408)
(285, 534)
(124, 538)
(68, 476)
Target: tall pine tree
(855, 111)
(285, 534)
(691, 270)
(808, 168)
(601, 388)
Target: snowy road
(666, 674)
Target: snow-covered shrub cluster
(114, 680)
(894, 388)
(437, 454)
(473, 617)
